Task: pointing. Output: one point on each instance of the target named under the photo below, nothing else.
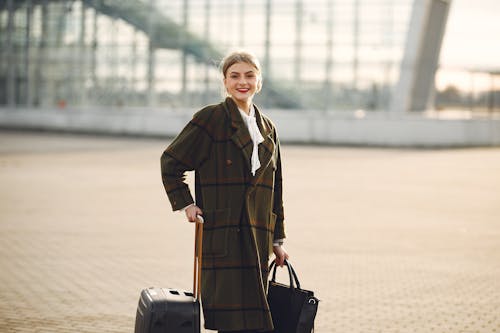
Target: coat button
(229, 162)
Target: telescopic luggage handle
(198, 246)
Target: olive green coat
(243, 213)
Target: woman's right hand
(193, 211)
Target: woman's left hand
(281, 255)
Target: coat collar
(237, 121)
(241, 136)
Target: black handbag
(293, 309)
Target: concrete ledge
(343, 128)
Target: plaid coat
(243, 213)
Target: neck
(244, 105)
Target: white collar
(256, 136)
(250, 114)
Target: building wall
(343, 128)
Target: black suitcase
(167, 310)
(162, 310)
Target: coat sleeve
(186, 153)
(279, 229)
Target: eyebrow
(252, 71)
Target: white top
(256, 136)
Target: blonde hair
(237, 57)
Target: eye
(233, 76)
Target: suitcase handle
(198, 246)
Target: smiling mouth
(243, 90)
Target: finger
(189, 216)
(280, 261)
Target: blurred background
(438, 58)
(390, 240)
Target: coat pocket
(215, 232)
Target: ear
(259, 84)
(225, 93)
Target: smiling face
(242, 82)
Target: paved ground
(391, 240)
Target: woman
(235, 153)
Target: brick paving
(392, 240)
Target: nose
(242, 80)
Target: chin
(239, 98)
(242, 97)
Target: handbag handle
(291, 273)
(198, 243)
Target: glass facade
(318, 54)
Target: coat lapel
(266, 148)
(241, 138)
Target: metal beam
(415, 88)
(267, 39)
(11, 58)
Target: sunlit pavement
(391, 240)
